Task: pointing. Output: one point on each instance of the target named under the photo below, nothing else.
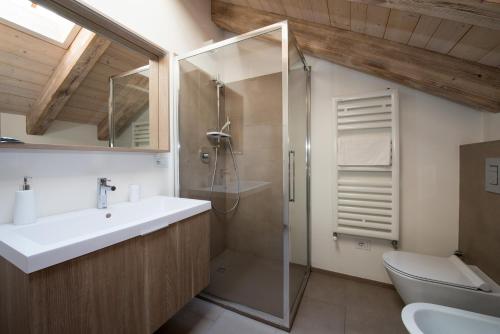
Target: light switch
(492, 175)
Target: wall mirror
(72, 78)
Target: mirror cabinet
(79, 81)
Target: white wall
(67, 180)
(431, 131)
(491, 126)
(176, 25)
(59, 132)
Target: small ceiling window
(38, 21)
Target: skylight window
(36, 20)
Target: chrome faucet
(102, 192)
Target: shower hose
(235, 165)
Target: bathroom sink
(424, 318)
(58, 238)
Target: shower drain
(221, 270)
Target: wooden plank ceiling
(439, 73)
(27, 63)
(458, 39)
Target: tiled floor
(252, 281)
(331, 305)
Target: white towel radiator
(366, 197)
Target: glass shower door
(242, 140)
(230, 120)
(298, 156)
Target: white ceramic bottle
(25, 205)
(134, 192)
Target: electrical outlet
(161, 160)
(363, 244)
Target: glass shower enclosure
(242, 138)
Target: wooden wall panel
(101, 292)
(400, 26)
(483, 13)
(27, 46)
(340, 13)
(273, 6)
(26, 64)
(476, 43)
(479, 229)
(358, 17)
(492, 58)
(12, 60)
(405, 24)
(320, 11)
(424, 30)
(446, 36)
(376, 21)
(293, 9)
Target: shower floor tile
(251, 281)
(345, 307)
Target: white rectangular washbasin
(424, 318)
(58, 238)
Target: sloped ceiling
(27, 63)
(453, 59)
(458, 39)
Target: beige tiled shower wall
(197, 115)
(255, 108)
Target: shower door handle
(291, 176)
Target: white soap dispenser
(25, 205)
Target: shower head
(217, 135)
(218, 81)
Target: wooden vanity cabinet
(177, 267)
(131, 287)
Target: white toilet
(442, 280)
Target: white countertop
(55, 239)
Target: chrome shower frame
(289, 311)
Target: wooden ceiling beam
(74, 66)
(481, 13)
(459, 80)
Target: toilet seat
(442, 270)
